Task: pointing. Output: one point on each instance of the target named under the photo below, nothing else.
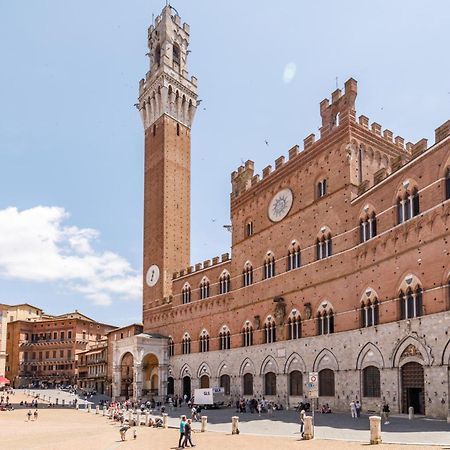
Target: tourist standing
(353, 409)
(302, 420)
(36, 415)
(358, 409)
(386, 412)
(182, 427)
(29, 415)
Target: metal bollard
(410, 413)
(375, 429)
(204, 424)
(165, 420)
(308, 432)
(235, 425)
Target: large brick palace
(340, 261)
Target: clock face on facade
(152, 276)
(280, 205)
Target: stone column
(97, 409)
(235, 425)
(308, 432)
(165, 420)
(137, 381)
(204, 424)
(138, 417)
(162, 376)
(147, 418)
(115, 385)
(375, 429)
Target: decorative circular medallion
(152, 275)
(280, 205)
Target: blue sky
(71, 142)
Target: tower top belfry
(167, 88)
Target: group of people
(30, 415)
(355, 409)
(185, 433)
(257, 406)
(4, 403)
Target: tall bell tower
(167, 104)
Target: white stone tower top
(167, 88)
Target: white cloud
(289, 72)
(35, 245)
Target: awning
(4, 380)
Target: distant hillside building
(340, 261)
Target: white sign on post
(313, 385)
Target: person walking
(302, 421)
(36, 415)
(29, 415)
(353, 409)
(358, 409)
(187, 434)
(182, 427)
(386, 412)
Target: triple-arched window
(247, 334)
(247, 274)
(370, 311)
(186, 344)
(225, 338)
(411, 303)
(186, 294)
(269, 266)
(294, 259)
(368, 227)
(294, 325)
(224, 282)
(269, 330)
(324, 246)
(325, 321)
(204, 288)
(204, 342)
(408, 205)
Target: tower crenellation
(167, 88)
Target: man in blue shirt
(182, 426)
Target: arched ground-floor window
(270, 384)
(326, 383)
(371, 382)
(225, 383)
(248, 384)
(204, 382)
(296, 383)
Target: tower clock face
(280, 205)
(152, 276)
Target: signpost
(313, 389)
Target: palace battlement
(336, 114)
(208, 263)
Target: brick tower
(167, 103)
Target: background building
(10, 313)
(93, 368)
(340, 260)
(44, 352)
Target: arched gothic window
(171, 345)
(269, 266)
(321, 188)
(224, 283)
(249, 228)
(248, 384)
(325, 321)
(186, 294)
(368, 227)
(158, 56)
(294, 259)
(296, 383)
(225, 338)
(247, 334)
(204, 342)
(326, 383)
(248, 274)
(294, 325)
(176, 56)
(324, 246)
(269, 331)
(186, 344)
(204, 288)
(225, 383)
(371, 382)
(270, 384)
(408, 205)
(370, 312)
(411, 304)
